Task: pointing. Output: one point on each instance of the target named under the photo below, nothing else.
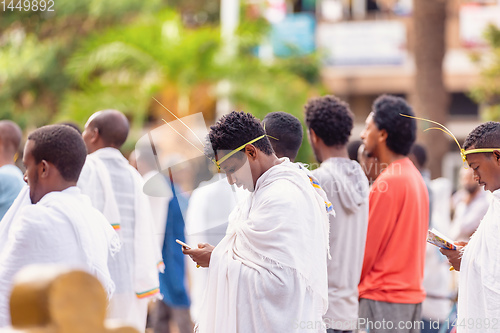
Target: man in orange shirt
(390, 288)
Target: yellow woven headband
(463, 152)
(236, 150)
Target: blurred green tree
(34, 47)
(85, 56)
(487, 91)
(158, 55)
(99, 54)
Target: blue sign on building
(294, 35)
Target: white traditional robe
(268, 274)
(62, 228)
(479, 290)
(159, 205)
(206, 222)
(115, 189)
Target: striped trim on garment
(161, 266)
(148, 293)
(328, 205)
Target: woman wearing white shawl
(269, 273)
(479, 288)
(51, 222)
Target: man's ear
(382, 136)
(496, 154)
(94, 134)
(43, 169)
(251, 151)
(313, 136)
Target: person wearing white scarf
(478, 260)
(51, 222)
(268, 274)
(116, 189)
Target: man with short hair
(115, 189)
(330, 121)
(478, 261)
(285, 133)
(391, 288)
(11, 178)
(51, 222)
(269, 273)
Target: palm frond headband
(463, 152)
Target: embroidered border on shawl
(148, 293)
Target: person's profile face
(238, 171)
(370, 136)
(368, 164)
(314, 146)
(31, 173)
(87, 135)
(468, 181)
(89, 132)
(486, 168)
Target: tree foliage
(100, 54)
(487, 91)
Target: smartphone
(183, 244)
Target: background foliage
(487, 91)
(100, 54)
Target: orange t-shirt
(393, 266)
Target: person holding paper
(269, 272)
(479, 261)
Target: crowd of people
(277, 247)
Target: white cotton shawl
(62, 228)
(269, 273)
(479, 291)
(95, 181)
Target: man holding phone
(274, 254)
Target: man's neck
(333, 151)
(103, 147)
(61, 186)
(57, 186)
(97, 146)
(6, 161)
(269, 161)
(387, 156)
(265, 163)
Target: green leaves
(487, 90)
(101, 54)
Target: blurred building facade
(367, 47)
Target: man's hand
(201, 255)
(455, 256)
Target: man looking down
(268, 274)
